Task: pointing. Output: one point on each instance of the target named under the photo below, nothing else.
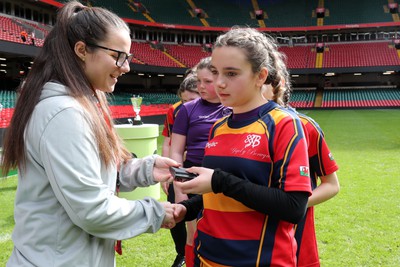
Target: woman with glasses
(61, 138)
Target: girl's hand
(199, 185)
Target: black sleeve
(287, 206)
(193, 206)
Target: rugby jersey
(194, 120)
(321, 163)
(170, 118)
(268, 149)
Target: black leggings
(178, 233)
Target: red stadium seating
(10, 31)
(187, 54)
(360, 55)
(144, 53)
(5, 117)
(299, 57)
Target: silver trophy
(136, 103)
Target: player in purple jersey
(190, 133)
(187, 92)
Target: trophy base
(135, 122)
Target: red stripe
(232, 225)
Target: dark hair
(58, 62)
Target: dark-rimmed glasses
(121, 58)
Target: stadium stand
(361, 97)
(123, 98)
(291, 13)
(158, 103)
(144, 53)
(7, 98)
(361, 55)
(234, 12)
(165, 45)
(299, 57)
(10, 31)
(175, 12)
(189, 55)
(356, 11)
(120, 105)
(7, 101)
(303, 98)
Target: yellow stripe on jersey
(220, 202)
(252, 128)
(278, 115)
(262, 237)
(208, 263)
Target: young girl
(256, 182)
(322, 165)
(61, 138)
(190, 132)
(187, 92)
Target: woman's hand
(164, 187)
(199, 185)
(169, 219)
(161, 171)
(179, 213)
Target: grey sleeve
(137, 173)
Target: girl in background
(187, 92)
(322, 166)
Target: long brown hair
(279, 79)
(58, 62)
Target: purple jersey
(194, 121)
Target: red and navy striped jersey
(170, 118)
(321, 163)
(268, 150)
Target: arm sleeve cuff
(193, 206)
(287, 206)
